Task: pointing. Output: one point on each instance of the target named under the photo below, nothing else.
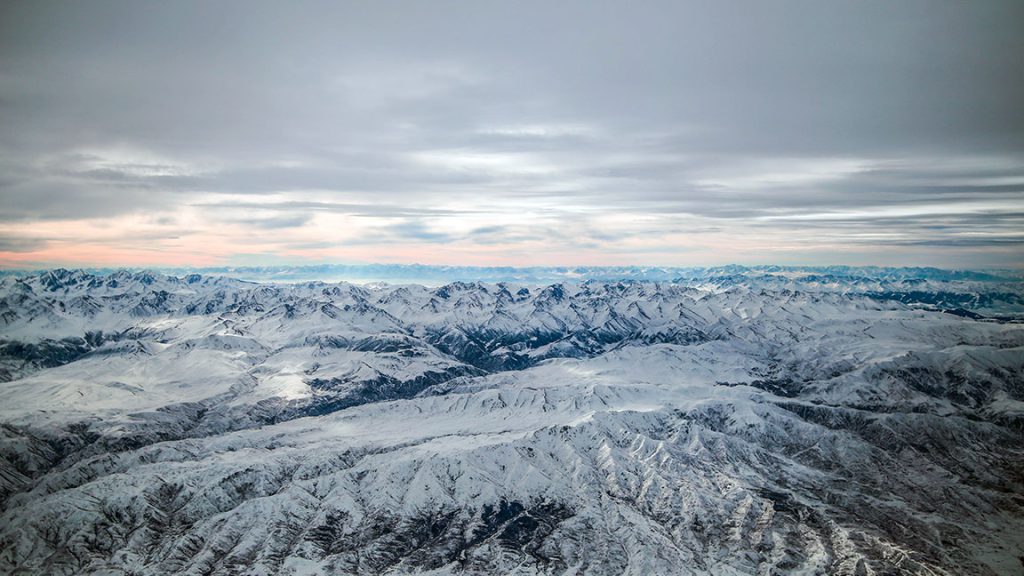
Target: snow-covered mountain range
(733, 421)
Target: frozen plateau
(726, 421)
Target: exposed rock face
(203, 425)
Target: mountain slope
(207, 425)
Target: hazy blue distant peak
(443, 274)
(428, 274)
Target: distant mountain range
(434, 275)
(668, 421)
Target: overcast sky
(512, 133)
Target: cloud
(275, 222)
(9, 244)
(312, 207)
(664, 133)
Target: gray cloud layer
(841, 122)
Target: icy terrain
(747, 423)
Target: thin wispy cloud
(511, 133)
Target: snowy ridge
(761, 422)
